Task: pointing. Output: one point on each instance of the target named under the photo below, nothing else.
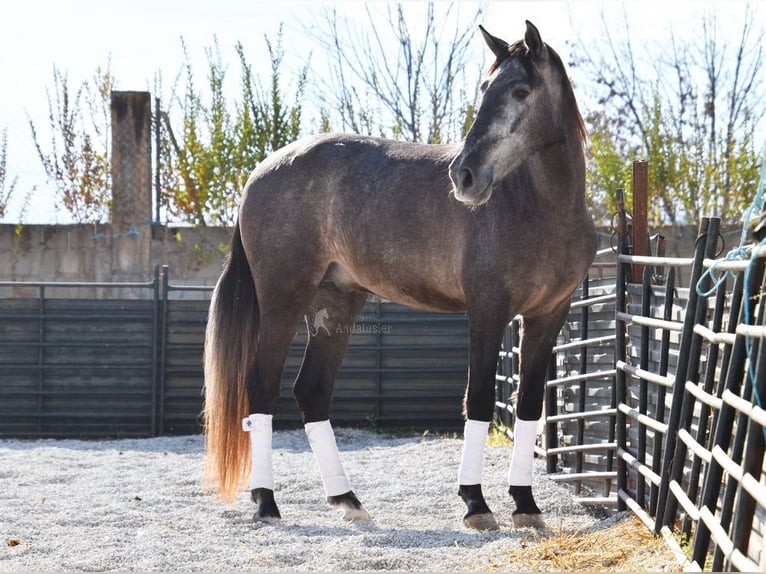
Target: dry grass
(625, 546)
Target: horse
(496, 226)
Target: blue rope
(748, 341)
(741, 251)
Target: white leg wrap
(259, 427)
(474, 438)
(322, 441)
(524, 437)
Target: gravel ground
(138, 505)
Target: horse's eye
(519, 93)
(484, 85)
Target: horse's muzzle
(472, 185)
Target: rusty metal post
(640, 212)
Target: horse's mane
(519, 50)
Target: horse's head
(527, 104)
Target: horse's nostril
(466, 178)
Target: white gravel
(138, 505)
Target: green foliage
(691, 113)
(205, 169)
(76, 160)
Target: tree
(77, 159)
(6, 187)
(205, 168)
(691, 110)
(414, 94)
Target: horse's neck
(558, 174)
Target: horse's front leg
(486, 332)
(537, 341)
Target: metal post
(163, 344)
(640, 212)
(583, 390)
(155, 329)
(620, 354)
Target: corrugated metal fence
(128, 362)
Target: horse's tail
(230, 345)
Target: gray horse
(496, 226)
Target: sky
(138, 39)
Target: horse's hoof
(353, 511)
(266, 519)
(482, 522)
(356, 515)
(529, 521)
(268, 511)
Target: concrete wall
(87, 253)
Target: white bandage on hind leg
(474, 438)
(261, 473)
(524, 437)
(322, 441)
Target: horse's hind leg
(538, 339)
(281, 309)
(314, 387)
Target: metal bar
(163, 343)
(620, 355)
(155, 329)
(638, 466)
(753, 412)
(691, 373)
(566, 477)
(581, 416)
(650, 260)
(551, 431)
(752, 463)
(706, 399)
(676, 326)
(643, 389)
(699, 451)
(608, 298)
(582, 387)
(713, 336)
(379, 362)
(75, 284)
(41, 359)
(578, 343)
(659, 415)
(663, 381)
(643, 419)
(584, 377)
(723, 427)
(583, 448)
(738, 446)
(675, 409)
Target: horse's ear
(534, 42)
(499, 47)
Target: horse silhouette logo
(317, 322)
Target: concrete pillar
(131, 185)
